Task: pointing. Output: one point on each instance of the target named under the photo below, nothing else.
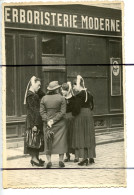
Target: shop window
(10, 91)
(53, 44)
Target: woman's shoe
(91, 160)
(37, 164)
(76, 160)
(41, 161)
(83, 162)
(67, 159)
(49, 165)
(61, 164)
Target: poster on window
(115, 76)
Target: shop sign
(44, 19)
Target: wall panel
(28, 49)
(12, 131)
(85, 50)
(10, 48)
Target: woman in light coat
(53, 110)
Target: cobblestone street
(108, 170)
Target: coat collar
(30, 93)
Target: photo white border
(129, 58)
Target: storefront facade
(58, 43)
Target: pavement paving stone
(108, 170)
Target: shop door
(53, 58)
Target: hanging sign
(115, 76)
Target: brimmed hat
(53, 85)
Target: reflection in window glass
(52, 44)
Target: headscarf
(79, 78)
(32, 81)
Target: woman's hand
(50, 123)
(34, 128)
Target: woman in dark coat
(84, 134)
(69, 97)
(33, 119)
(53, 110)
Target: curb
(100, 143)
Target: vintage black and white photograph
(63, 95)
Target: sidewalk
(107, 171)
(101, 138)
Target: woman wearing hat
(67, 92)
(34, 123)
(84, 134)
(52, 110)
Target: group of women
(59, 122)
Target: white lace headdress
(79, 78)
(32, 81)
(70, 91)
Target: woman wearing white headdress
(67, 92)
(34, 123)
(83, 133)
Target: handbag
(34, 139)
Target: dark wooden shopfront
(61, 53)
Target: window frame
(63, 46)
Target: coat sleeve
(40, 94)
(62, 112)
(91, 101)
(43, 111)
(33, 112)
